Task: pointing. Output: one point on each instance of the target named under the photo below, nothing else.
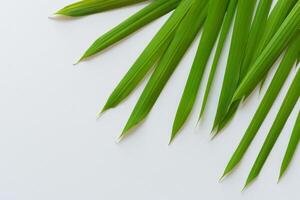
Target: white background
(53, 148)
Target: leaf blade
(269, 55)
(152, 53)
(184, 36)
(258, 25)
(88, 7)
(276, 18)
(212, 26)
(281, 118)
(151, 12)
(240, 34)
(267, 102)
(223, 35)
(292, 146)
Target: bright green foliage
(277, 16)
(88, 7)
(151, 12)
(240, 34)
(223, 35)
(151, 55)
(269, 28)
(292, 146)
(257, 41)
(269, 55)
(281, 118)
(184, 36)
(254, 38)
(258, 27)
(278, 81)
(212, 26)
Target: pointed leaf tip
(249, 181)
(173, 135)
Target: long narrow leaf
(185, 35)
(292, 146)
(151, 12)
(255, 36)
(212, 26)
(269, 55)
(153, 52)
(275, 20)
(223, 35)
(281, 118)
(88, 7)
(240, 34)
(278, 81)
(277, 16)
(257, 27)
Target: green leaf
(292, 146)
(240, 34)
(184, 36)
(277, 16)
(281, 118)
(275, 20)
(223, 35)
(151, 12)
(212, 26)
(255, 36)
(150, 56)
(267, 102)
(88, 7)
(229, 115)
(269, 55)
(257, 28)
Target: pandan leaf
(223, 35)
(212, 26)
(292, 146)
(281, 118)
(151, 12)
(184, 36)
(255, 36)
(277, 83)
(275, 20)
(269, 55)
(151, 55)
(88, 7)
(245, 9)
(257, 28)
(277, 16)
(227, 118)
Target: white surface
(52, 147)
